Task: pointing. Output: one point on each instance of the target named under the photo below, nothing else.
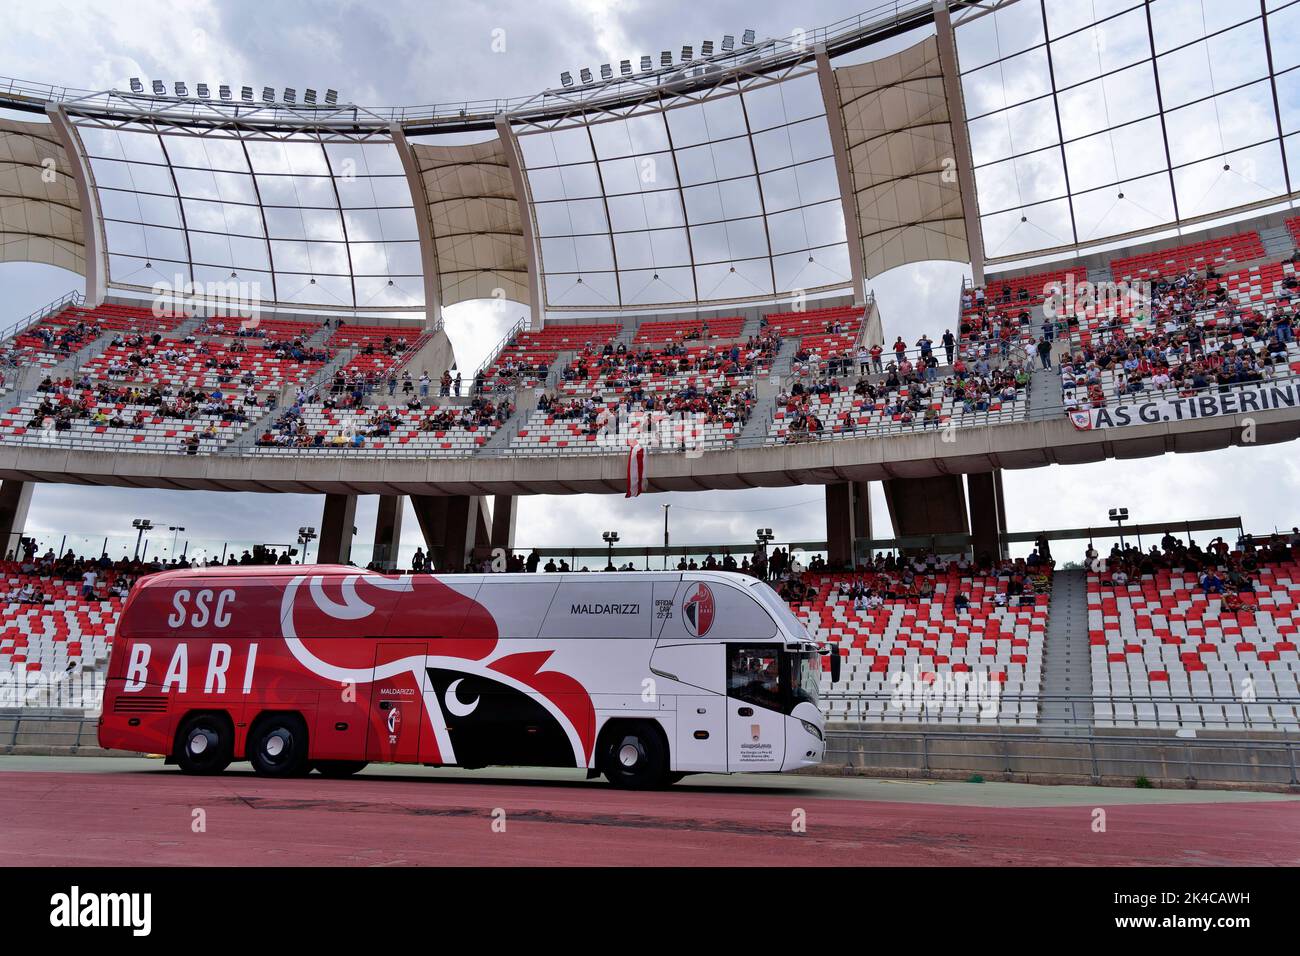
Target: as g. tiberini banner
(1237, 400)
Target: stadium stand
(723, 328)
(928, 624)
(1242, 247)
(410, 430)
(1207, 643)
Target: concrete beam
(388, 532)
(451, 525)
(15, 499)
(336, 525)
(848, 517)
(927, 506)
(503, 522)
(986, 521)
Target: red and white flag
(1081, 419)
(636, 471)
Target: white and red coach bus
(643, 677)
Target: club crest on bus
(698, 611)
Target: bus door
(755, 715)
(396, 708)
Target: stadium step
(1067, 656)
(1277, 242)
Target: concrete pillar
(927, 506)
(848, 517)
(388, 531)
(15, 499)
(986, 513)
(336, 524)
(503, 522)
(451, 525)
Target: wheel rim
(277, 745)
(629, 754)
(200, 741)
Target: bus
(643, 677)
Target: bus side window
(754, 675)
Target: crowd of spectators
(1220, 569)
(65, 401)
(1193, 338)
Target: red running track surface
(54, 819)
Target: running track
(142, 814)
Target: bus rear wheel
(204, 745)
(277, 746)
(635, 757)
(340, 768)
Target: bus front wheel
(277, 746)
(204, 745)
(340, 768)
(635, 757)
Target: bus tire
(635, 755)
(277, 746)
(204, 744)
(340, 768)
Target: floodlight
(748, 38)
(566, 78)
(706, 48)
(159, 89)
(606, 72)
(666, 58)
(224, 92)
(647, 64)
(585, 75)
(332, 97)
(180, 89)
(136, 85)
(687, 54)
(246, 94)
(290, 95)
(728, 43)
(309, 97)
(625, 67)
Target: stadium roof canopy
(991, 133)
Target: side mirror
(835, 664)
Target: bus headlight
(812, 729)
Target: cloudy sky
(407, 52)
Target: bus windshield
(805, 677)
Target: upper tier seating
(723, 328)
(927, 638)
(392, 430)
(1161, 637)
(526, 358)
(1242, 247)
(127, 419)
(60, 336)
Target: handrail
(497, 349)
(44, 312)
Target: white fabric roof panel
(900, 150)
(40, 213)
(474, 217)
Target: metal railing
(758, 56)
(1066, 712)
(1091, 755)
(44, 312)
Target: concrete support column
(927, 506)
(15, 499)
(336, 526)
(987, 519)
(848, 517)
(388, 531)
(503, 522)
(451, 525)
